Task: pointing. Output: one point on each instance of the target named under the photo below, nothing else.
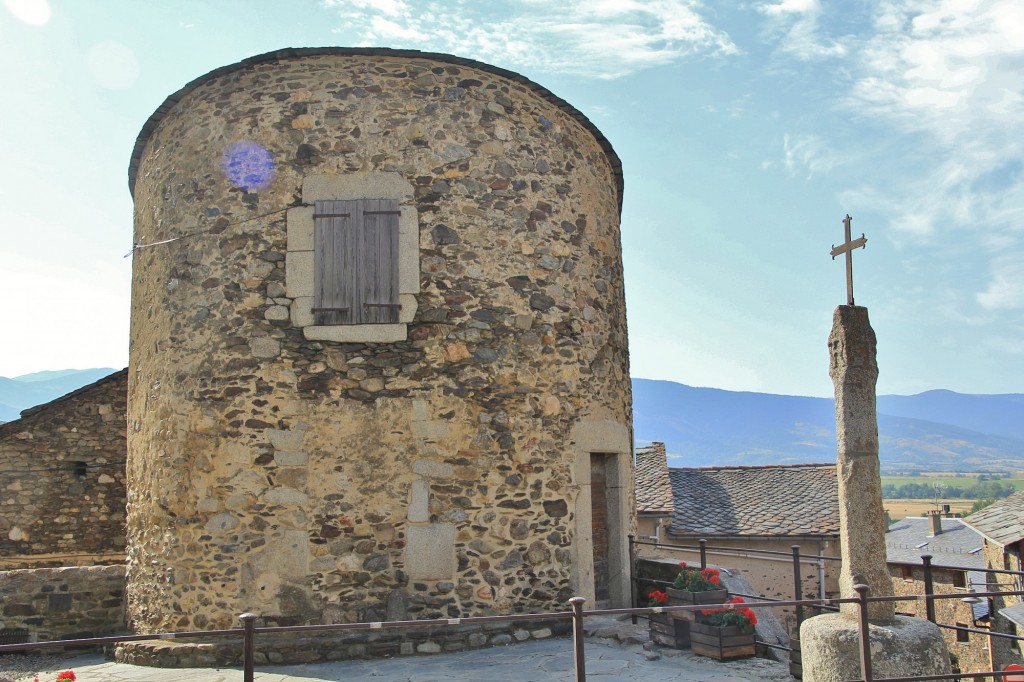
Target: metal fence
(249, 633)
(821, 605)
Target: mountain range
(27, 390)
(937, 430)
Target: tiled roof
(1014, 614)
(1002, 522)
(793, 500)
(653, 491)
(909, 538)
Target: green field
(962, 480)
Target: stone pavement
(614, 653)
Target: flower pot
(720, 643)
(685, 597)
(669, 631)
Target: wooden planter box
(721, 643)
(683, 597)
(669, 631)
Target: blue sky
(747, 131)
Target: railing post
(577, 638)
(865, 633)
(703, 553)
(633, 585)
(929, 603)
(248, 645)
(798, 586)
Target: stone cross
(847, 247)
(854, 373)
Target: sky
(747, 131)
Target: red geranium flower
(657, 597)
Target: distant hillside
(933, 431)
(28, 390)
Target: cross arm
(849, 246)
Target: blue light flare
(248, 165)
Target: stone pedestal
(904, 646)
(830, 644)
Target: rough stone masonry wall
(63, 603)
(62, 480)
(1004, 651)
(317, 481)
(973, 655)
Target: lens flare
(248, 165)
(32, 12)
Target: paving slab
(614, 658)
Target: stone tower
(378, 346)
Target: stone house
(738, 508)
(62, 474)
(62, 516)
(653, 492)
(955, 549)
(1001, 526)
(378, 347)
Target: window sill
(358, 333)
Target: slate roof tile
(1001, 522)
(957, 545)
(653, 491)
(801, 499)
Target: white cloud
(388, 29)
(945, 76)
(391, 8)
(1006, 289)
(798, 24)
(946, 67)
(605, 39)
(807, 153)
(948, 73)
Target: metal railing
(929, 597)
(702, 548)
(249, 632)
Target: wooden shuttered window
(355, 262)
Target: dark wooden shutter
(334, 290)
(356, 261)
(379, 260)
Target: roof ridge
(756, 466)
(36, 409)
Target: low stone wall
(298, 647)
(63, 603)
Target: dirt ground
(899, 509)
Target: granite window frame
(299, 258)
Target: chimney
(935, 522)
